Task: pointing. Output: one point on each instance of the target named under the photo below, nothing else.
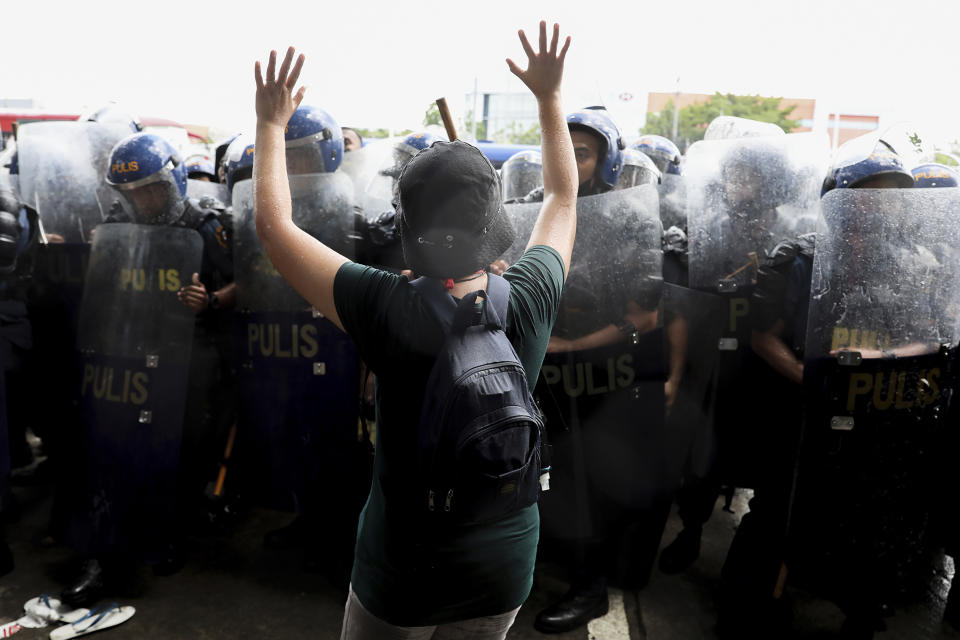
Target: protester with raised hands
(416, 574)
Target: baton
(447, 119)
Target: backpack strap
(450, 314)
(441, 304)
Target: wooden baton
(447, 119)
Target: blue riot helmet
(220, 158)
(239, 160)
(866, 162)
(112, 113)
(200, 166)
(597, 122)
(662, 151)
(151, 177)
(637, 169)
(521, 173)
(314, 142)
(934, 174)
(410, 146)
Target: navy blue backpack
(480, 430)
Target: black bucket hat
(450, 211)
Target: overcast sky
(381, 63)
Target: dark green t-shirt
(404, 572)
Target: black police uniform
(757, 553)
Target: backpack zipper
(497, 425)
(453, 396)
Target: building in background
(502, 114)
(849, 126)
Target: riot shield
(673, 211)
(603, 395)
(299, 373)
(743, 196)
(63, 168)
(374, 173)
(200, 189)
(880, 350)
(134, 342)
(521, 174)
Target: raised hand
(276, 101)
(544, 70)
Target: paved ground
(233, 588)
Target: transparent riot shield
(880, 361)
(134, 342)
(602, 382)
(673, 212)
(521, 174)
(63, 168)
(743, 196)
(200, 189)
(299, 373)
(374, 171)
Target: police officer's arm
(307, 264)
(771, 347)
(557, 224)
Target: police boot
(581, 604)
(88, 587)
(682, 552)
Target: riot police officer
(755, 569)
(306, 434)
(200, 167)
(18, 232)
(151, 179)
(352, 141)
(604, 485)
(661, 150)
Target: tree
(514, 135)
(432, 115)
(693, 119)
(379, 133)
(481, 126)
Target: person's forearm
(271, 190)
(778, 355)
(559, 163)
(227, 295)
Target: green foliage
(514, 135)
(943, 158)
(379, 133)
(481, 126)
(372, 133)
(432, 115)
(693, 119)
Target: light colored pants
(360, 624)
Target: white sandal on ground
(95, 620)
(44, 609)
